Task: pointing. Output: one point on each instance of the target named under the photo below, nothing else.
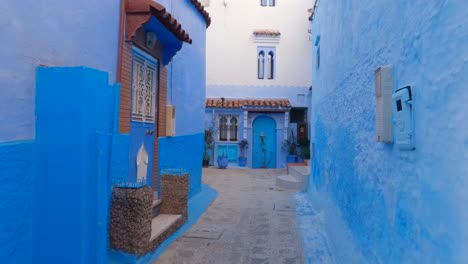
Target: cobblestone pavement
(251, 221)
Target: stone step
(301, 173)
(156, 208)
(290, 182)
(162, 223)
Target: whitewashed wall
(231, 50)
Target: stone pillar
(174, 193)
(130, 219)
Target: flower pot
(291, 158)
(222, 162)
(242, 161)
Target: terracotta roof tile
(267, 32)
(139, 12)
(202, 11)
(240, 103)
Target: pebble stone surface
(251, 221)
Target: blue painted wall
(187, 71)
(186, 90)
(184, 152)
(39, 32)
(71, 184)
(67, 145)
(400, 207)
(16, 177)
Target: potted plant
(243, 145)
(222, 161)
(305, 149)
(291, 147)
(209, 142)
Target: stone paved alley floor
(251, 221)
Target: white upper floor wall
(232, 48)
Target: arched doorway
(264, 142)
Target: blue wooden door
(264, 142)
(143, 117)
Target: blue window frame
(266, 59)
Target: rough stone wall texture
(400, 206)
(130, 220)
(174, 194)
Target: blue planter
(222, 162)
(242, 161)
(291, 158)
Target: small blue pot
(222, 162)
(291, 158)
(242, 161)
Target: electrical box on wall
(383, 105)
(170, 120)
(403, 118)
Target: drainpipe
(121, 36)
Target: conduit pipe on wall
(121, 31)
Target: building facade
(263, 123)
(263, 57)
(388, 103)
(67, 135)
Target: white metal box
(403, 118)
(383, 111)
(170, 120)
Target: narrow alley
(219, 131)
(251, 221)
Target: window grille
(223, 129)
(233, 129)
(143, 90)
(228, 128)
